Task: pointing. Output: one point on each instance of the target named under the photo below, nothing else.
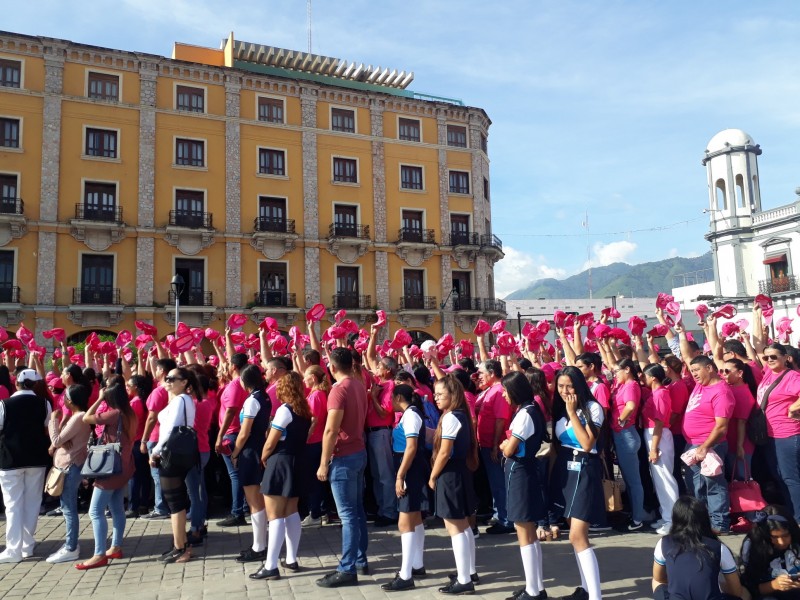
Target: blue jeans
(196, 487)
(69, 505)
(713, 491)
(113, 499)
(381, 465)
(497, 485)
(161, 506)
(346, 474)
(316, 493)
(627, 442)
(237, 492)
(783, 458)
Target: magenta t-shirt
(203, 414)
(491, 405)
(706, 403)
(318, 402)
(758, 372)
(627, 392)
(658, 407)
(157, 401)
(779, 424)
(471, 400)
(232, 396)
(741, 410)
(385, 400)
(679, 394)
(272, 392)
(600, 392)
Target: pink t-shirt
(141, 416)
(491, 406)
(203, 414)
(272, 392)
(706, 403)
(601, 393)
(679, 394)
(157, 401)
(385, 400)
(232, 396)
(318, 402)
(471, 400)
(758, 372)
(741, 410)
(779, 424)
(658, 407)
(627, 392)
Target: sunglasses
(170, 379)
(726, 371)
(771, 357)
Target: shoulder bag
(611, 489)
(756, 425)
(104, 460)
(180, 452)
(54, 482)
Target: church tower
(731, 161)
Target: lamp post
(454, 294)
(177, 284)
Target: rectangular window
(485, 189)
(347, 289)
(457, 136)
(103, 86)
(270, 110)
(411, 178)
(7, 277)
(273, 284)
(9, 133)
(190, 152)
(345, 220)
(413, 285)
(189, 209)
(10, 73)
(345, 170)
(412, 226)
(191, 99)
(343, 119)
(194, 289)
(459, 229)
(97, 279)
(408, 129)
(101, 142)
(271, 162)
(100, 202)
(271, 214)
(459, 182)
(461, 287)
(8, 194)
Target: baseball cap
(28, 375)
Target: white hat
(28, 375)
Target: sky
(598, 108)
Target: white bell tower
(731, 161)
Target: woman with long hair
(679, 398)
(139, 388)
(739, 376)
(687, 563)
(455, 455)
(656, 414)
(195, 480)
(576, 482)
(316, 380)
(526, 505)
(119, 426)
(182, 387)
(246, 457)
(771, 556)
(285, 468)
(413, 471)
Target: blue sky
(603, 107)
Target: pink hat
(142, 340)
(663, 299)
(559, 319)
(784, 329)
(24, 334)
(659, 330)
(58, 334)
(620, 334)
(636, 325)
(601, 330)
(726, 311)
(315, 313)
(147, 328)
(269, 323)
(674, 309)
(701, 310)
(211, 334)
(590, 345)
(238, 337)
(401, 338)
(340, 314)
(611, 313)
(505, 343)
(124, 338)
(499, 326)
(729, 329)
(237, 321)
(586, 319)
(481, 327)
(550, 369)
(466, 348)
(381, 314)
(743, 324)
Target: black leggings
(173, 489)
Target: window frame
(459, 190)
(115, 269)
(176, 90)
(85, 145)
(21, 62)
(107, 74)
(286, 275)
(466, 135)
(422, 271)
(422, 172)
(401, 118)
(199, 191)
(176, 140)
(19, 120)
(268, 149)
(272, 197)
(354, 160)
(17, 188)
(14, 269)
(274, 99)
(206, 282)
(85, 181)
(333, 108)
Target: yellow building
(268, 179)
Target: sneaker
(454, 588)
(233, 521)
(63, 555)
(499, 529)
(7, 557)
(634, 526)
(398, 584)
(657, 524)
(337, 579)
(664, 529)
(251, 555)
(599, 528)
(155, 515)
(56, 512)
(310, 521)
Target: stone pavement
(625, 566)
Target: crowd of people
(304, 419)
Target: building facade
(268, 179)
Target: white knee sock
(277, 531)
(471, 538)
(419, 547)
(580, 570)
(587, 562)
(293, 531)
(460, 544)
(259, 523)
(539, 568)
(530, 566)
(407, 543)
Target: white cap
(28, 375)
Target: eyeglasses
(170, 379)
(771, 357)
(726, 371)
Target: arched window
(722, 198)
(740, 192)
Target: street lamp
(177, 288)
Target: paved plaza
(625, 566)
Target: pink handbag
(745, 495)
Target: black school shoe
(251, 555)
(337, 579)
(458, 589)
(454, 577)
(522, 594)
(398, 584)
(290, 566)
(578, 594)
(264, 573)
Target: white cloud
(518, 270)
(605, 254)
(673, 252)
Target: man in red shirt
(494, 417)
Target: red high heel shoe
(86, 566)
(112, 555)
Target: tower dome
(729, 138)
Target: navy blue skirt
(249, 467)
(417, 496)
(524, 497)
(285, 476)
(454, 494)
(578, 494)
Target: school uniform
(286, 466)
(691, 574)
(576, 482)
(257, 407)
(411, 425)
(523, 485)
(454, 494)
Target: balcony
(466, 245)
(492, 306)
(10, 306)
(192, 298)
(273, 237)
(275, 298)
(778, 285)
(467, 304)
(96, 306)
(417, 311)
(9, 294)
(352, 302)
(13, 224)
(96, 295)
(411, 235)
(348, 241)
(196, 308)
(492, 247)
(463, 238)
(190, 231)
(97, 226)
(418, 303)
(414, 245)
(278, 304)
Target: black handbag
(756, 425)
(104, 460)
(180, 452)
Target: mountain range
(637, 281)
